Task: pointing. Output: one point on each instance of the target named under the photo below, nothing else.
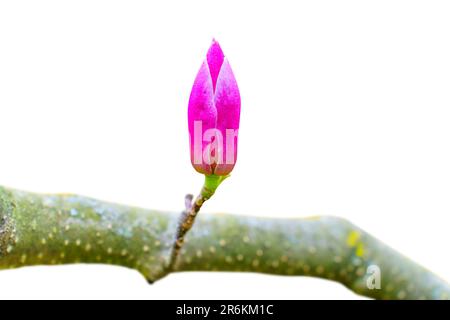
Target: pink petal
(215, 59)
(201, 108)
(228, 104)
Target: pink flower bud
(213, 115)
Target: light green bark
(65, 229)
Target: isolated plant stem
(188, 216)
(66, 229)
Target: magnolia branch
(66, 229)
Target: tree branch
(65, 229)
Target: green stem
(65, 229)
(212, 182)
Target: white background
(345, 111)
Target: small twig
(186, 222)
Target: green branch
(65, 229)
